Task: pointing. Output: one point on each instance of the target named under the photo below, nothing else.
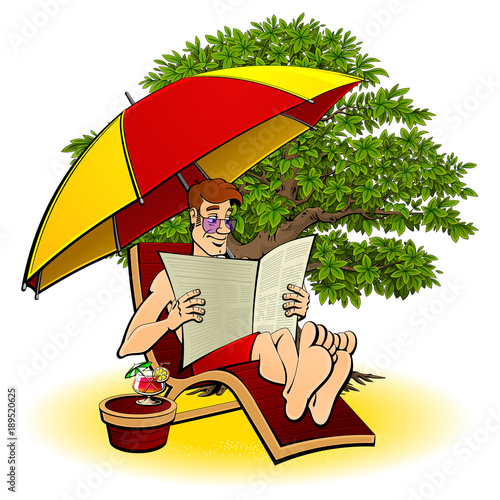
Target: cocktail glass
(147, 384)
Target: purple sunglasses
(211, 225)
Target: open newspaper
(241, 296)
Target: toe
(351, 342)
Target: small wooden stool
(137, 428)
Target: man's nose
(222, 229)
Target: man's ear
(192, 214)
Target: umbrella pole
(300, 121)
(185, 185)
(37, 291)
(117, 239)
(129, 97)
(201, 170)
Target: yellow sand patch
(408, 418)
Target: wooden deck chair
(261, 400)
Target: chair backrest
(144, 265)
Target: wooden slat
(303, 427)
(276, 414)
(167, 352)
(358, 430)
(149, 252)
(149, 270)
(262, 392)
(240, 369)
(167, 347)
(250, 368)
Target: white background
(69, 76)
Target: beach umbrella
(136, 172)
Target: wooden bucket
(137, 428)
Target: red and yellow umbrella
(135, 174)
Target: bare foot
(321, 404)
(313, 369)
(340, 346)
(307, 380)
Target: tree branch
(389, 265)
(359, 378)
(261, 178)
(313, 266)
(305, 200)
(290, 230)
(328, 174)
(243, 190)
(285, 153)
(384, 213)
(347, 268)
(289, 189)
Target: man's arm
(144, 329)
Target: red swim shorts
(234, 353)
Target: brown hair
(213, 191)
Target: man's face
(210, 236)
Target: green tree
(368, 166)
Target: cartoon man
(312, 375)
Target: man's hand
(298, 302)
(185, 309)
